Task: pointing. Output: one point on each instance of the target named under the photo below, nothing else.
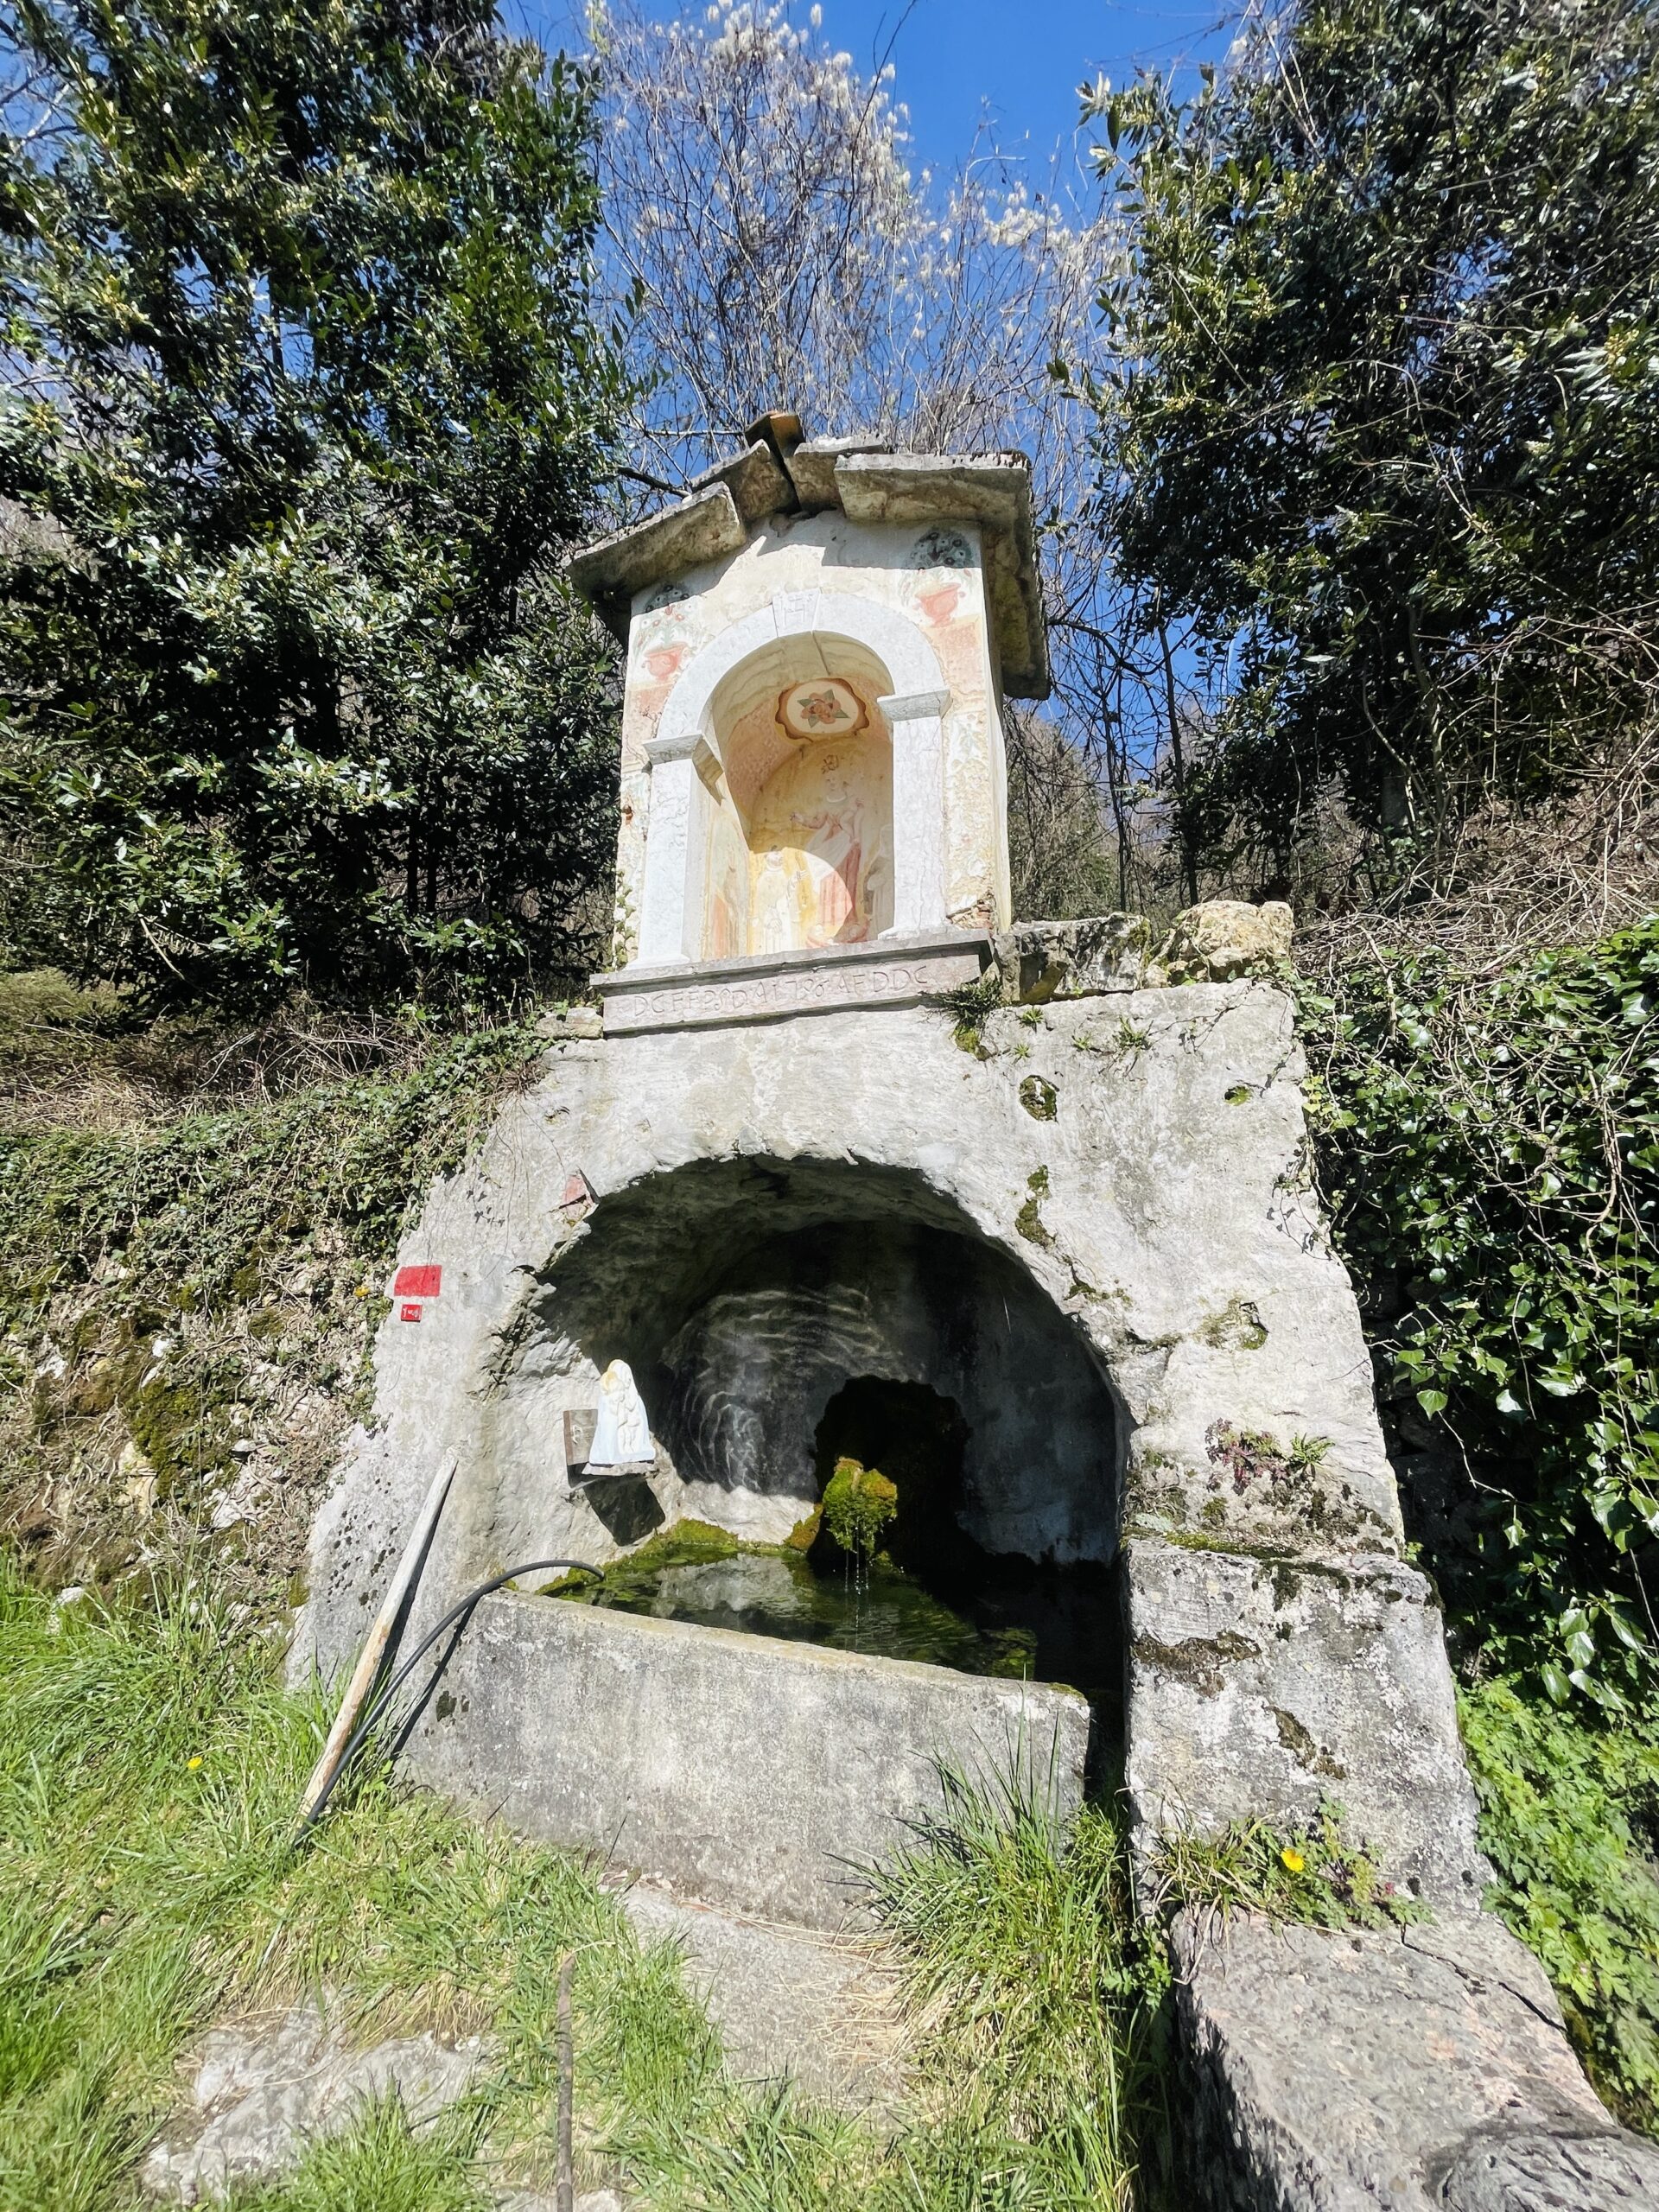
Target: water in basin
(1017, 1619)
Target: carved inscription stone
(709, 994)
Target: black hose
(382, 1699)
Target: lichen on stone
(1237, 1327)
(1301, 1744)
(1201, 1661)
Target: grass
(381, 2166)
(147, 1775)
(1313, 1873)
(1045, 2058)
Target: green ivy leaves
(1489, 1145)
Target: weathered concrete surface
(788, 2004)
(752, 1369)
(1217, 942)
(1137, 1160)
(992, 491)
(1338, 2072)
(1280, 1682)
(755, 480)
(739, 1768)
(706, 527)
(267, 2087)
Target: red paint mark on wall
(410, 1312)
(578, 1193)
(417, 1282)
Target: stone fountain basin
(742, 1770)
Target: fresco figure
(774, 914)
(835, 851)
(725, 928)
(817, 831)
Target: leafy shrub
(1570, 1819)
(1489, 1143)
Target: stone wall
(1135, 1165)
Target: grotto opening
(781, 1317)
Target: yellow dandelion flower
(1292, 1859)
(193, 1762)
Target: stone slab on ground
(759, 1773)
(816, 2009)
(1339, 2071)
(264, 2088)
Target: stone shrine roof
(780, 472)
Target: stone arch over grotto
(748, 1295)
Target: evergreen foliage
(303, 394)
(1382, 420)
(1490, 1146)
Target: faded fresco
(821, 847)
(727, 932)
(800, 847)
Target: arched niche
(800, 822)
(767, 836)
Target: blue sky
(1020, 61)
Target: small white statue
(622, 1438)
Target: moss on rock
(858, 1503)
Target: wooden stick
(565, 2186)
(374, 1651)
